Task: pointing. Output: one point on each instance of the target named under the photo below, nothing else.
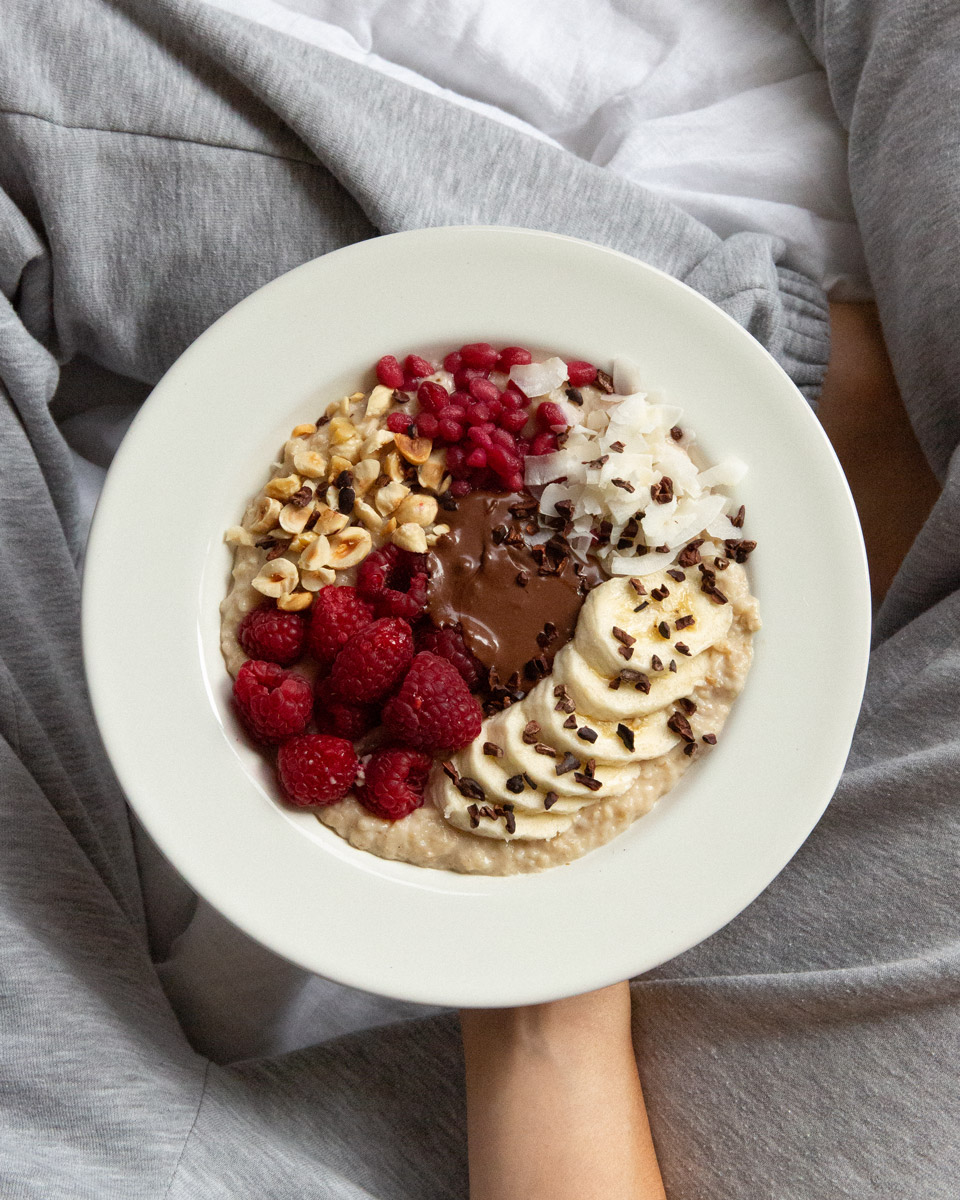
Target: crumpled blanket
(719, 107)
(159, 161)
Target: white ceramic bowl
(199, 449)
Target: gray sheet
(157, 162)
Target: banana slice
(522, 758)
(649, 735)
(534, 826)
(492, 775)
(611, 632)
(593, 696)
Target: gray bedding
(160, 160)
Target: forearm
(554, 1104)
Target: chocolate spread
(516, 604)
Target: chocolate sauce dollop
(486, 578)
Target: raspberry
(417, 367)
(389, 372)
(273, 703)
(513, 356)
(393, 783)
(479, 354)
(446, 641)
(316, 769)
(372, 661)
(272, 635)
(548, 415)
(579, 374)
(399, 422)
(395, 581)
(337, 613)
(433, 710)
(336, 717)
(432, 397)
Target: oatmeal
(519, 599)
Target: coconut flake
(537, 379)
(727, 473)
(722, 528)
(626, 376)
(631, 413)
(540, 469)
(553, 494)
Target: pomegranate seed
(512, 400)
(496, 409)
(456, 412)
(548, 415)
(456, 458)
(479, 436)
(514, 420)
(460, 488)
(478, 414)
(515, 483)
(463, 377)
(502, 438)
(523, 446)
(477, 457)
(427, 425)
(449, 430)
(389, 372)
(544, 443)
(416, 366)
(432, 397)
(398, 422)
(581, 373)
(479, 354)
(502, 461)
(483, 389)
(513, 356)
(453, 361)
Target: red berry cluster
(375, 670)
(485, 424)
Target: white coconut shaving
(538, 379)
(627, 477)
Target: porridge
(487, 614)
